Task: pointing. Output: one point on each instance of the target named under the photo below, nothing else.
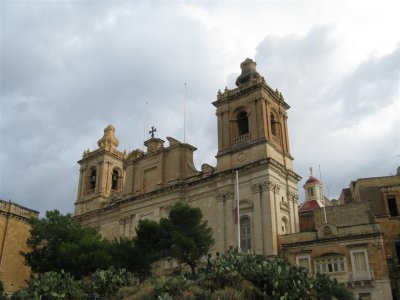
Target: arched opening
(243, 122)
(92, 179)
(245, 233)
(274, 125)
(114, 179)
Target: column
(82, 178)
(230, 232)
(269, 216)
(258, 226)
(99, 178)
(221, 229)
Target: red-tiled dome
(314, 204)
(312, 179)
(309, 205)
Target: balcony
(242, 138)
(360, 276)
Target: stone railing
(229, 93)
(361, 276)
(242, 138)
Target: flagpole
(238, 209)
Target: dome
(312, 179)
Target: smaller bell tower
(101, 173)
(252, 122)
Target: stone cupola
(249, 72)
(108, 141)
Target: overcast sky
(70, 68)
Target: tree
(190, 238)
(126, 255)
(183, 236)
(58, 243)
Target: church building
(117, 189)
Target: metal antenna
(322, 192)
(145, 124)
(184, 115)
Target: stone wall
(14, 232)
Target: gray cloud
(64, 78)
(68, 69)
(331, 109)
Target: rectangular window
(335, 264)
(360, 262)
(360, 265)
(303, 261)
(392, 206)
(311, 192)
(245, 233)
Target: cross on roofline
(153, 129)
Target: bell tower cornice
(252, 86)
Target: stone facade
(357, 242)
(118, 189)
(14, 232)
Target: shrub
(53, 285)
(22, 294)
(2, 294)
(107, 282)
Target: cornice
(326, 240)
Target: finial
(219, 92)
(249, 72)
(108, 140)
(153, 129)
(226, 89)
(310, 171)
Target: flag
(235, 212)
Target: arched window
(114, 179)
(245, 233)
(273, 124)
(92, 180)
(243, 122)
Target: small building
(314, 198)
(357, 242)
(14, 232)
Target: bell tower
(101, 173)
(252, 122)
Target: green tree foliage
(183, 236)
(150, 244)
(190, 238)
(58, 243)
(126, 255)
(2, 294)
